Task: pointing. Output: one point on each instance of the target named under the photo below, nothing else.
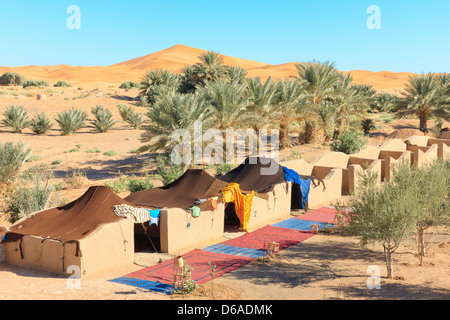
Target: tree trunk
(388, 256)
(420, 245)
(423, 122)
(284, 134)
(312, 135)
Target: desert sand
(323, 267)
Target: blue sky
(414, 35)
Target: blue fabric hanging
(304, 185)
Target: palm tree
(288, 107)
(425, 97)
(236, 75)
(210, 68)
(319, 81)
(173, 111)
(228, 104)
(351, 101)
(261, 97)
(384, 102)
(155, 82)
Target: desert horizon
(175, 58)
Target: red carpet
(320, 215)
(198, 260)
(260, 238)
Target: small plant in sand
(35, 83)
(12, 157)
(186, 279)
(41, 124)
(75, 179)
(110, 153)
(71, 121)
(62, 84)
(349, 142)
(103, 119)
(124, 111)
(16, 118)
(24, 200)
(130, 85)
(135, 120)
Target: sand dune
(176, 58)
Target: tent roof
(73, 221)
(182, 193)
(250, 175)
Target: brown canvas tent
(85, 233)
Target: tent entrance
(142, 241)
(231, 219)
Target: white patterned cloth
(138, 215)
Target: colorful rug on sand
(231, 254)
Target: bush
(110, 153)
(224, 168)
(62, 84)
(71, 121)
(75, 179)
(168, 171)
(12, 157)
(367, 126)
(349, 142)
(11, 79)
(135, 119)
(35, 83)
(16, 118)
(124, 111)
(130, 85)
(132, 184)
(24, 201)
(40, 124)
(103, 121)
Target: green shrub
(16, 118)
(75, 179)
(135, 119)
(168, 171)
(62, 84)
(224, 168)
(34, 158)
(11, 79)
(12, 157)
(71, 121)
(132, 184)
(35, 83)
(40, 124)
(24, 201)
(130, 85)
(110, 153)
(103, 121)
(367, 126)
(95, 150)
(124, 111)
(349, 142)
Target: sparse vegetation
(75, 179)
(71, 121)
(62, 84)
(110, 153)
(41, 124)
(16, 118)
(130, 85)
(11, 79)
(35, 83)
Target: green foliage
(135, 119)
(124, 111)
(71, 121)
(35, 83)
(168, 171)
(34, 158)
(41, 124)
(110, 153)
(367, 126)
(130, 85)
(11, 79)
(413, 199)
(224, 168)
(103, 119)
(95, 150)
(62, 84)
(12, 157)
(24, 200)
(156, 82)
(349, 142)
(16, 118)
(75, 179)
(132, 184)
(186, 278)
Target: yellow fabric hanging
(242, 202)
